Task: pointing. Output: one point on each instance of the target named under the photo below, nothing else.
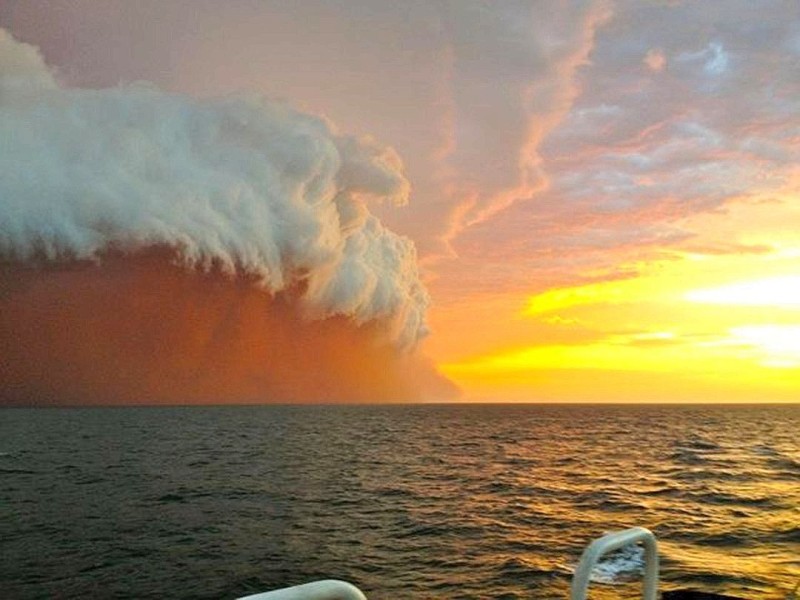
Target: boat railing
(614, 541)
(327, 589)
(333, 589)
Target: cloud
(723, 248)
(464, 91)
(252, 186)
(638, 156)
(243, 190)
(144, 330)
(713, 57)
(511, 83)
(22, 66)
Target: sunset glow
(400, 299)
(597, 202)
(657, 334)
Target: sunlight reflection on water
(406, 501)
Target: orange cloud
(142, 330)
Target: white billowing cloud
(21, 66)
(465, 90)
(247, 185)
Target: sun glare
(778, 292)
(780, 344)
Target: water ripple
(405, 501)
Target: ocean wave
(225, 498)
(622, 566)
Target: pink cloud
(464, 91)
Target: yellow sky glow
(694, 327)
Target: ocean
(405, 501)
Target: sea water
(418, 502)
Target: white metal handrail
(609, 543)
(334, 589)
(327, 589)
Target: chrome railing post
(609, 543)
(328, 589)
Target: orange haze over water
(144, 330)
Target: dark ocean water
(415, 502)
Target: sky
(567, 201)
